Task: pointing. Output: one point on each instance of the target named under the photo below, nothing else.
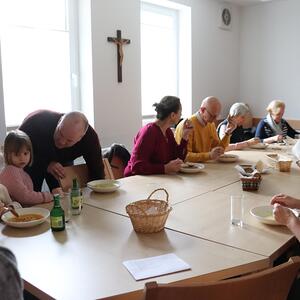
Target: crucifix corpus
(119, 42)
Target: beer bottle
(57, 215)
(76, 199)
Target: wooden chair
(270, 284)
(81, 173)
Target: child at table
(17, 155)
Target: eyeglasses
(212, 117)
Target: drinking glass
(236, 209)
(65, 203)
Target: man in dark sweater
(57, 139)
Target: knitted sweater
(20, 187)
(152, 150)
(40, 127)
(201, 140)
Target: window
(38, 58)
(165, 54)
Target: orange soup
(26, 218)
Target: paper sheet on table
(296, 149)
(155, 266)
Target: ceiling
(247, 2)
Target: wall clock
(225, 18)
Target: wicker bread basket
(283, 165)
(251, 183)
(149, 215)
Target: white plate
(259, 146)
(28, 210)
(190, 167)
(264, 214)
(228, 158)
(104, 185)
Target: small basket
(284, 165)
(150, 215)
(280, 163)
(251, 183)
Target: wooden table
(208, 216)
(179, 186)
(85, 260)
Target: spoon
(12, 210)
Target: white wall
(215, 64)
(117, 106)
(215, 55)
(270, 56)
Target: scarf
(277, 128)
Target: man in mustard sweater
(204, 143)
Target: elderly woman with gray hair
(238, 140)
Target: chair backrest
(81, 173)
(271, 284)
(107, 169)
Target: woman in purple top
(155, 149)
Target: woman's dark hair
(14, 142)
(166, 106)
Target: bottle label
(57, 222)
(76, 202)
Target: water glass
(65, 203)
(236, 209)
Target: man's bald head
(211, 103)
(210, 109)
(70, 129)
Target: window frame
(72, 25)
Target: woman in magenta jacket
(155, 149)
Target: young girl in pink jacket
(17, 155)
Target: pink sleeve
(12, 178)
(143, 149)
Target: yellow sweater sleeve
(201, 140)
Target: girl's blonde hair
(274, 106)
(14, 142)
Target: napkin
(296, 149)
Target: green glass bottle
(76, 198)
(57, 215)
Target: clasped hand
(173, 166)
(187, 129)
(56, 169)
(216, 152)
(282, 213)
(231, 125)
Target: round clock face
(226, 16)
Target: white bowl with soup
(104, 185)
(28, 217)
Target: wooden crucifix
(119, 42)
